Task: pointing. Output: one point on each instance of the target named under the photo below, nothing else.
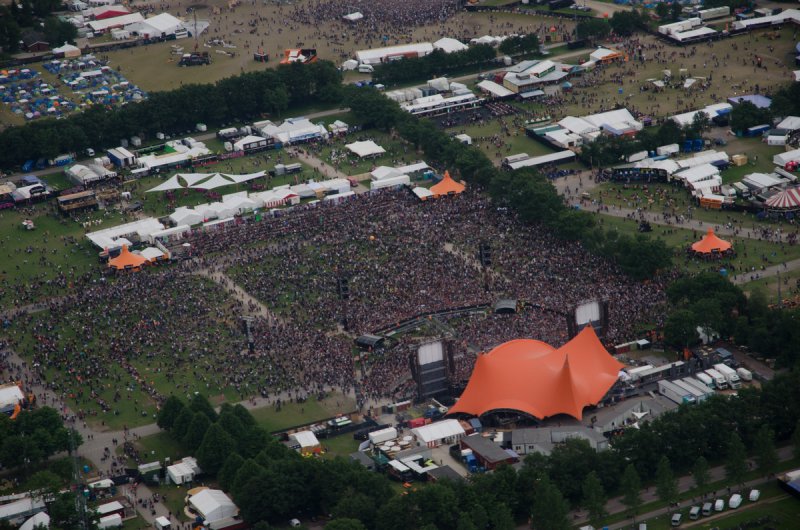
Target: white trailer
(714, 12)
(744, 374)
(699, 386)
(720, 383)
(694, 392)
(730, 375)
(705, 379)
(383, 435)
(675, 393)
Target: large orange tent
(533, 377)
(127, 260)
(447, 186)
(711, 243)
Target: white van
(694, 513)
(754, 495)
(719, 505)
(707, 508)
(365, 68)
(735, 501)
(676, 519)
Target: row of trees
(26, 15)
(33, 437)
(436, 64)
(526, 191)
(622, 23)
(710, 302)
(239, 98)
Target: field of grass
(750, 253)
(173, 499)
(337, 156)
(293, 414)
(135, 523)
(157, 447)
(340, 446)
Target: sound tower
(485, 254)
(247, 329)
(431, 367)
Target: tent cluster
(531, 376)
(99, 84)
(27, 94)
(711, 245)
(134, 261)
(204, 181)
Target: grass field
(335, 154)
(158, 447)
(136, 523)
(750, 253)
(340, 445)
(294, 414)
(173, 499)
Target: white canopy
(171, 184)
(244, 178)
(39, 520)
(193, 178)
(438, 431)
(422, 193)
(186, 216)
(352, 17)
(305, 439)
(367, 148)
(213, 505)
(217, 181)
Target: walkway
(251, 305)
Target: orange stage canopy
(127, 258)
(711, 243)
(533, 377)
(447, 186)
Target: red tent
(533, 377)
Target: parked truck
(694, 392)
(744, 374)
(705, 379)
(675, 393)
(720, 383)
(730, 375)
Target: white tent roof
(601, 53)
(110, 237)
(151, 253)
(781, 159)
(494, 89)
(352, 17)
(305, 439)
(186, 216)
(38, 520)
(66, 48)
(366, 148)
(697, 173)
(240, 144)
(217, 181)
(193, 178)
(164, 23)
(244, 178)
(449, 45)
(789, 123)
(382, 172)
(422, 193)
(213, 505)
(113, 506)
(171, 184)
(438, 431)
(11, 395)
(578, 125)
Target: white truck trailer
(730, 375)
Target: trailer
(675, 393)
(705, 379)
(730, 375)
(698, 394)
(744, 374)
(383, 435)
(714, 12)
(720, 383)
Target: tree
(746, 115)
(680, 330)
(57, 31)
(700, 472)
(169, 412)
(44, 484)
(764, 446)
(627, 22)
(549, 507)
(631, 485)
(700, 123)
(181, 423)
(345, 524)
(594, 498)
(662, 10)
(200, 404)
(196, 431)
(736, 459)
(666, 484)
(212, 453)
(593, 28)
(227, 474)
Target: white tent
(422, 193)
(39, 520)
(244, 178)
(183, 471)
(10, 395)
(781, 159)
(241, 204)
(352, 17)
(366, 148)
(305, 439)
(213, 505)
(186, 216)
(434, 434)
(399, 180)
(109, 521)
(449, 45)
(193, 178)
(152, 253)
(171, 184)
(350, 64)
(217, 181)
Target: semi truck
(675, 393)
(730, 375)
(699, 385)
(694, 392)
(720, 383)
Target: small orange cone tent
(447, 186)
(127, 260)
(711, 243)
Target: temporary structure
(447, 186)
(365, 149)
(711, 244)
(171, 184)
(307, 441)
(127, 260)
(244, 178)
(217, 181)
(186, 216)
(213, 505)
(183, 471)
(531, 376)
(786, 200)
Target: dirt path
(252, 305)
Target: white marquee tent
(217, 181)
(171, 184)
(366, 148)
(186, 216)
(213, 505)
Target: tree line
(26, 16)
(435, 64)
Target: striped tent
(788, 199)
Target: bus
(77, 201)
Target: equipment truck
(195, 59)
(675, 393)
(720, 383)
(730, 375)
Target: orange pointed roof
(533, 377)
(710, 243)
(126, 258)
(447, 185)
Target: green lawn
(750, 253)
(294, 414)
(157, 447)
(174, 497)
(340, 445)
(335, 154)
(136, 523)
